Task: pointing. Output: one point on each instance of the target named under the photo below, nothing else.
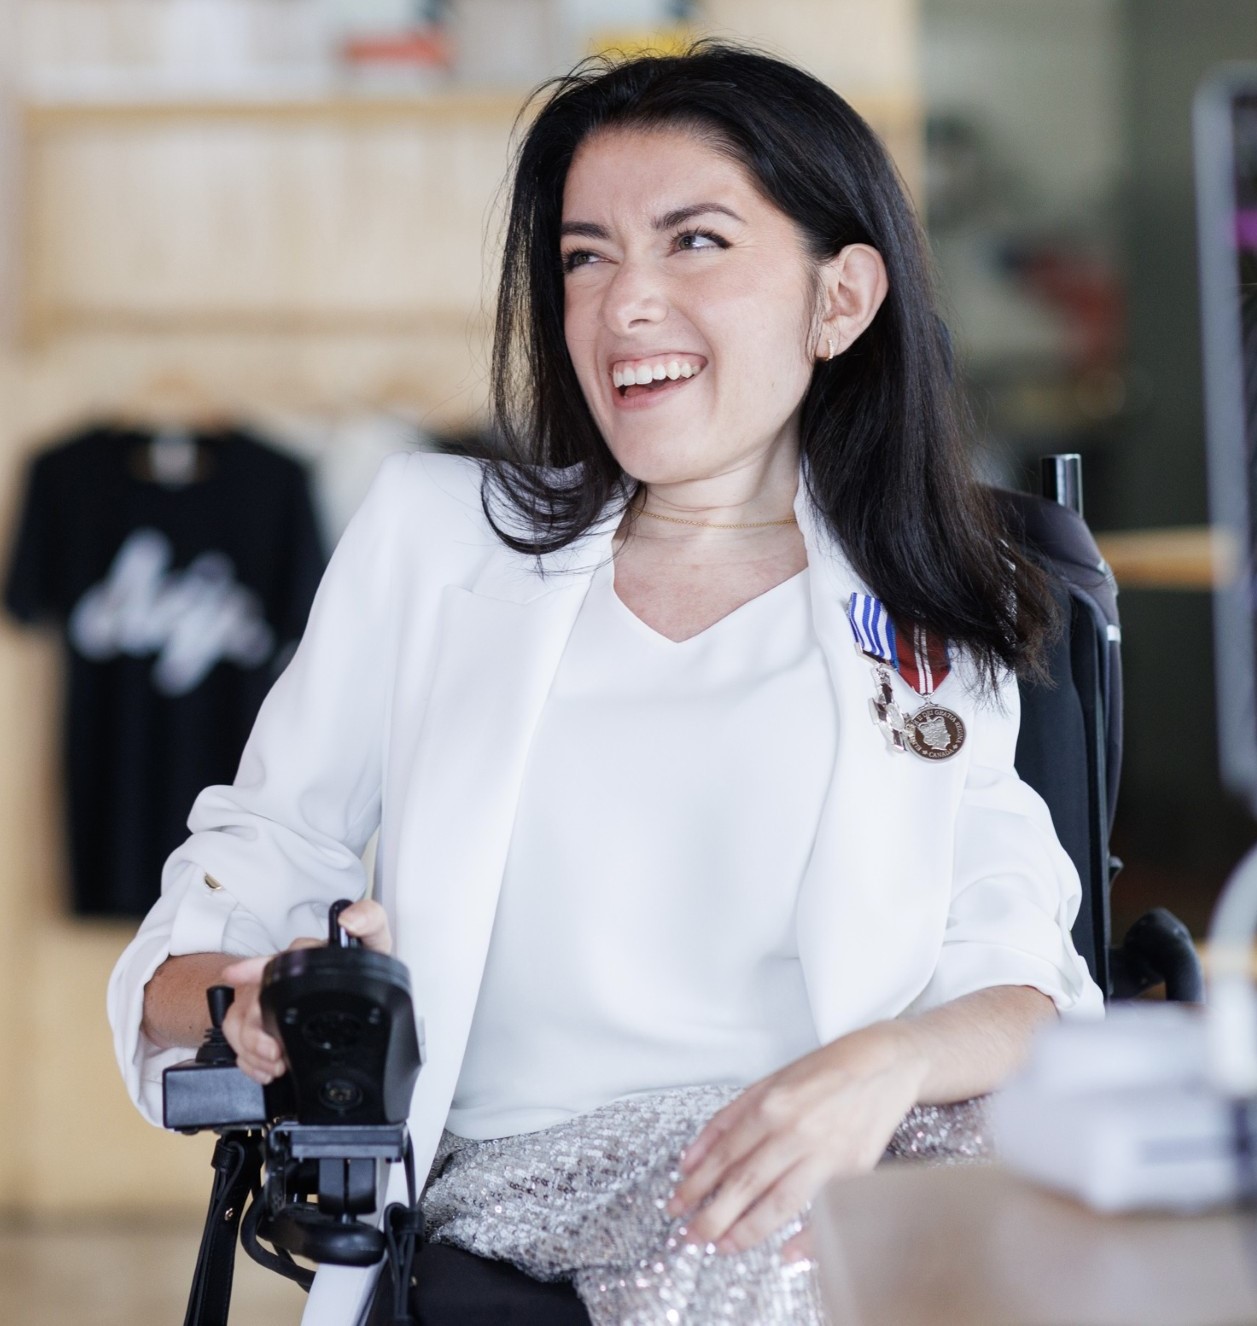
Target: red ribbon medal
(921, 658)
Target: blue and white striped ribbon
(874, 631)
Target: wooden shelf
(250, 322)
(888, 112)
(1187, 557)
(104, 112)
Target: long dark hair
(881, 427)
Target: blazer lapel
(873, 901)
(499, 643)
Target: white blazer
(410, 705)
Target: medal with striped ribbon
(921, 659)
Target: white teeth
(628, 375)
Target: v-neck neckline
(705, 633)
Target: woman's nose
(634, 296)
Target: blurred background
(275, 220)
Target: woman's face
(683, 281)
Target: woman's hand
(768, 1153)
(258, 1054)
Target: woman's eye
(577, 258)
(699, 239)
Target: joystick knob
(337, 937)
(214, 1048)
(220, 998)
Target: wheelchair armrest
(1157, 948)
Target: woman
(642, 836)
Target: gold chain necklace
(711, 524)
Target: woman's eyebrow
(668, 221)
(680, 215)
(587, 229)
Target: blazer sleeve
(270, 853)
(1015, 892)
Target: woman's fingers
(781, 1202)
(801, 1248)
(715, 1128)
(742, 1185)
(762, 1159)
(712, 1171)
(248, 971)
(368, 921)
(258, 1054)
(261, 1068)
(727, 1140)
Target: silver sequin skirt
(584, 1201)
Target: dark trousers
(456, 1288)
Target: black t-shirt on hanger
(179, 605)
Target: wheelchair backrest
(1070, 746)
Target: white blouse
(645, 933)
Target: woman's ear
(853, 283)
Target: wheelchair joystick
(337, 935)
(214, 1048)
(344, 1016)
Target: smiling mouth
(632, 378)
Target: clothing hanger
(180, 412)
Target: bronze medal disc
(934, 733)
